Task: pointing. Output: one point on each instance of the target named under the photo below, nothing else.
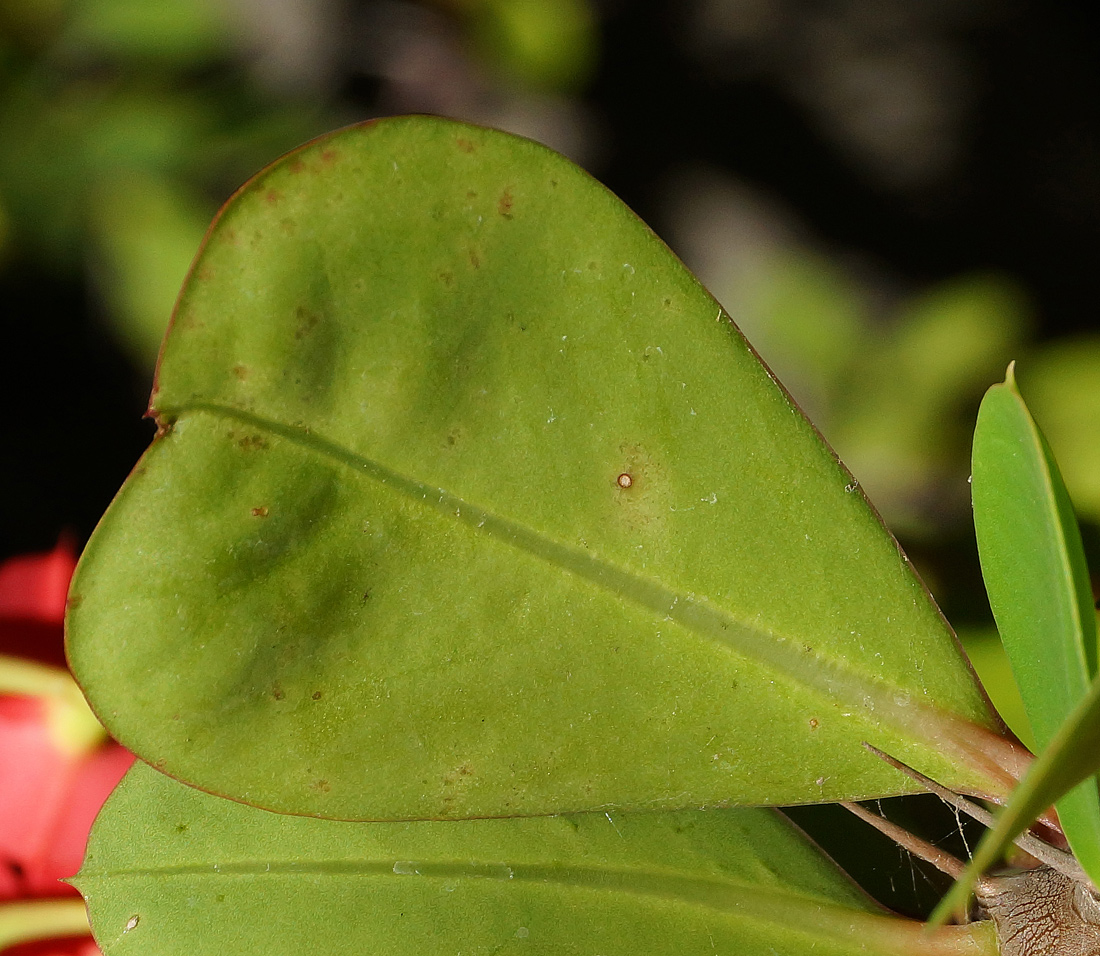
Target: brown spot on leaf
(248, 442)
(240, 372)
(321, 786)
(329, 156)
(504, 205)
(625, 480)
(288, 227)
(316, 695)
(277, 691)
(465, 145)
(640, 503)
(205, 273)
(260, 512)
(447, 278)
(475, 259)
(297, 166)
(451, 777)
(813, 723)
(74, 601)
(273, 197)
(307, 321)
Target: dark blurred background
(893, 199)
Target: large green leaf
(1035, 573)
(172, 870)
(468, 500)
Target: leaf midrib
(769, 904)
(799, 912)
(778, 653)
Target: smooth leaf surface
(172, 870)
(1034, 567)
(468, 501)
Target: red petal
(48, 800)
(35, 778)
(34, 586)
(96, 777)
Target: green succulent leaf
(173, 870)
(1034, 567)
(468, 500)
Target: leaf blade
(424, 332)
(206, 870)
(1034, 566)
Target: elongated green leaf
(469, 501)
(1034, 568)
(172, 870)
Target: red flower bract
(56, 768)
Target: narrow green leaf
(172, 870)
(470, 501)
(1034, 567)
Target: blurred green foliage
(125, 125)
(543, 44)
(1063, 386)
(895, 390)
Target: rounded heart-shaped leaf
(468, 500)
